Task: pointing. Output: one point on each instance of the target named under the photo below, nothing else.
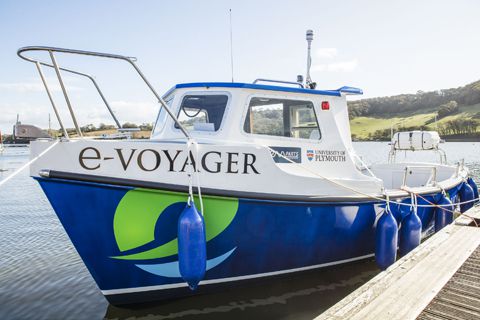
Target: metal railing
(392, 154)
(460, 166)
(278, 81)
(51, 50)
(431, 180)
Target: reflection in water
(296, 296)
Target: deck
(460, 298)
(438, 280)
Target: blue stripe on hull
(267, 236)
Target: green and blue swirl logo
(136, 217)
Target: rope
(353, 154)
(28, 163)
(189, 175)
(198, 179)
(387, 204)
(191, 142)
(355, 190)
(345, 186)
(445, 209)
(414, 202)
(387, 200)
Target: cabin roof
(337, 92)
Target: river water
(42, 276)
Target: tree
(426, 101)
(129, 125)
(88, 128)
(447, 109)
(146, 127)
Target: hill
(457, 111)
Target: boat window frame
(200, 92)
(170, 97)
(266, 136)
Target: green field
(361, 127)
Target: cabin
(304, 125)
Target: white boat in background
(271, 167)
(1, 143)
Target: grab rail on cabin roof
(278, 81)
(54, 64)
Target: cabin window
(282, 117)
(162, 116)
(202, 112)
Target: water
(42, 276)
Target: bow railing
(58, 70)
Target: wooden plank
(459, 298)
(466, 219)
(407, 287)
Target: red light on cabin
(325, 105)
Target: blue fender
(410, 233)
(192, 246)
(466, 194)
(474, 186)
(386, 238)
(444, 213)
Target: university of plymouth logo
(136, 217)
(310, 155)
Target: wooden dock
(460, 298)
(438, 280)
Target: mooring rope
(353, 154)
(28, 163)
(191, 142)
(355, 190)
(370, 196)
(414, 202)
(197, 175)
(432, 204)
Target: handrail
(433, 175)
(64, 90)
(73, 51)
(278, 81)
(91, 78)
(392, 154)
(65, 133)
(460, 166)
(130, 60)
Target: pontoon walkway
(438, 280)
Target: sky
(384, 47)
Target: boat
(1, 143)
(238, 182)
(23, 133)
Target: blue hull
(127, 236)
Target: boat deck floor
(440, 279)
(460, 297)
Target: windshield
(162, 117)
(202, 112)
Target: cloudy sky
(384, 47)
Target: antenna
(231, 43)
(308, 79)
